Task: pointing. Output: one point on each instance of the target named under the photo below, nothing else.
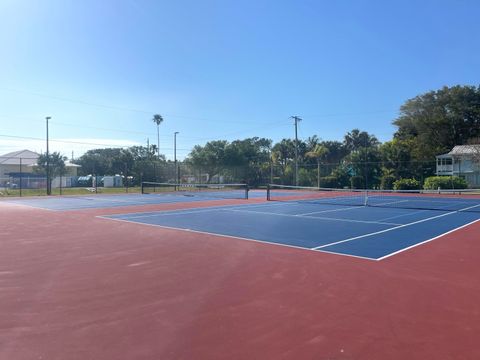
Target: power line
(76, 142)
(114, 107)
(265, 125)
(149, 112)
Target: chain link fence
(19, 177)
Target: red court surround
(74, 286)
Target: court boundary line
(409, 213)
(391, 229)
(234, 209)
(176, 211)
(235, 237)
(314, 217)
(109, 201)
(429, 240)
(327, 211)
(168, 212)
(30, 206)
(318, 248)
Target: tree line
(428, 125)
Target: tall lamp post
(49, 190)
(175, 155)
(296, 119)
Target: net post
(246, 191)
(365, 200)
(268, 192)
(143, 184)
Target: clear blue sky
(222, 69)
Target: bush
(305, 178)
(387, 181)
(329, 182)
(406, 184)
(342, 175)
(444, 182)
(357, 182)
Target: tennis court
(158, 193)
(332, 221)
(212, 275)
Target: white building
(21, 164)
(462, 161)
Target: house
(462, 161)
(21, 165)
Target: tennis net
(445, 200)
(221, 191)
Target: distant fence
(25, 182)
(18, 174)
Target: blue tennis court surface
(97, 201)
(360, 231)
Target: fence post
(126, 177)
(21, 177)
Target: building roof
(29, 158)
(465, 150)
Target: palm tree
(158, 119)
(319, 152)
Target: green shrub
(406, 184)
(444, 182)
(342, 176)
(305, 178)
(387, 181)
(329, 182)
(357, 182)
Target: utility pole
(158, 141)
(49, 190)
(296, 119)
(175, 155)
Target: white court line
(201, 210)
(163, 213)
(31, 206)
(394, 228)
(111, 200)
(312, 217)
(237, 238)
(326, 211)
(426, 241)
(349, 255)
(388, 203)
(174, 211)
(410, 213)
(210, 233)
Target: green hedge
(406, 184)
(330, 182)
(357, 182)
(387, 181)
(444, 182)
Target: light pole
(175, 155)
(49, 190)
(296, 119)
